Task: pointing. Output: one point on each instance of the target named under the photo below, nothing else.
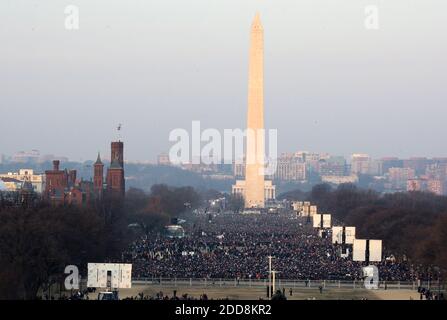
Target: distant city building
(37, 180)
(301, 155)
(201, 167)
(163, 160)
(340, 179)
(398, 177)
(416, 185)
(11, 184)
(436, 187)
(333, 166)
(418, 164)
(269, 189)
(429, 185)
(3, 187)
(33, 156)
(312, 160)
(26, 156)
(220, 177)
(289, 168)
(389, 162)
(374, 168)
(51, 157)
(239, 169)
(437, 171)
(439, 160)
(360, 164)
(14, 192)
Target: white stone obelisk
(254, 168)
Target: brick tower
(117, 148)
(115, 174)
(56, 183)
(98, 177)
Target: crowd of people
(237, 246)
(161, 296)
(427, 294)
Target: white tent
(337, 235)
(112, 275)
(362, 245)
(326, 220)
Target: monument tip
(257, 19)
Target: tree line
(412, 225)
(38, 241)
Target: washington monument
(255, 189)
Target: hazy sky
(330, 84)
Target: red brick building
(56, 184)
(98, 178)
(115, 183)
(76, 197)
(117, 148)
(63, 188)
(115, 174)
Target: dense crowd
(161, 296)
(427, 294)
(236, 246)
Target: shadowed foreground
(258, 293)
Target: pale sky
(331, 85)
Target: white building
(163, 159)
(26, 156)
(289, 168)
(37, 180)
(340, 179)
(269, 189)
(360, 163)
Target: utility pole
(269, 295)
(274, 280)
